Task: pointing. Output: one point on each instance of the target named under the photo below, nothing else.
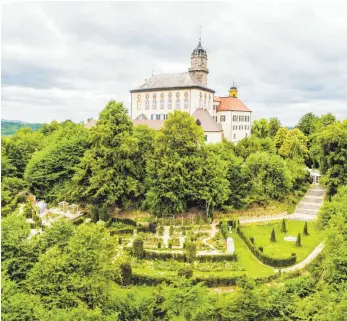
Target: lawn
(282, 248)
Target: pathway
(204, 241)
(305, 262)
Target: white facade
(157, 104)
(213, 137)
(236, 124)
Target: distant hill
(9, 127)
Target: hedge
(182, 256)
(143, 229)
(123, 230)
(264, 258)
(210, 281)
(78, 221)
(127, 221)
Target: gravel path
(305, 262)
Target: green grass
(282, 248)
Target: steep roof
(151, 123)
(230, 104)
(170, 81)
(207, 123)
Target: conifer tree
(273, 236)
(298, 241)
(284, 227)
(305, 229)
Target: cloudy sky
(67, 60)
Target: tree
(263, 128)
(174, 171)
(51, 169)
(107, 173)
(294, 145)
(307, 123)
(298, 240)
(273, 236)
(267, 177)
(81, 271)
(280, 137)
(284, 227)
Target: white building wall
(240, 128)
(138, 102)
(226, 125)
(213, 137)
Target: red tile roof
(230, 104)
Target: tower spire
(200, 35)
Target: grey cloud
(66, 60)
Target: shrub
(284, 227)
(273, 236)
(151, 255)
(138, 248)
(120, 241)
(78, 221)
(126, 273)
(170, 244)
(252, 239)
(298, 241)
(176, 241)
(224, 229)
(261, 249)
(153, 227)
(216, 257)
(171, 230)
(305, 229)
(159, 245)
(143, 229)
(184, 232)
(264, 258)
(124, 230)
(191, 251)
(161, 230)
(186, 272)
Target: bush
(171, 230)
(261, 249)
(224, 229)
(216, 257)
(126, 273)
(153, 227)
(264, 258)
(138, 248)
(78, 221)
(284, 226)
(170, 244)
(190, 251)
(159, 245)
(252, 239)
(120, 241)
(186, 272)
(161, 230)
(151, 255)
(184, 232)
(124, 230)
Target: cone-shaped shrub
(284, 226)
(273, 236)
(305, 229)
(298, 241)
(171, 230)
(138, 248)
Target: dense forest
(10, 127)
(78, 272)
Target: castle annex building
(218, 116)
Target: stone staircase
(308, 207)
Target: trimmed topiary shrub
(161, 230)
(284, 226)
(159, 245)
(138, 248)
(169, 244)
(298, 241)
(261, 249)
(305, 229)
(186, 272)
(273, 236)
(252, 239)
(120, 241)
(171, 230)
(126, 273)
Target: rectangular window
(178, 103)
(186, 103)
(235, 118)
(169, 103)
(147, 104)
(154, 104)
(240, 127)
(247, 118)
(205, 138)
(241, 118)
(157, 117)
(222, 118)
(139, 105)
(162, 104)
(152, 116)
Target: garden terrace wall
(276, 262)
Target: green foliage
(265, 128)
(186, 272)
(294, 145)
(50, 170)
(273, 236)
(224, 229)
(126, 273)
(10, 127)
(108, 172)
(307, 123)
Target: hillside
(9, 127)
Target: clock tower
(198, 69)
